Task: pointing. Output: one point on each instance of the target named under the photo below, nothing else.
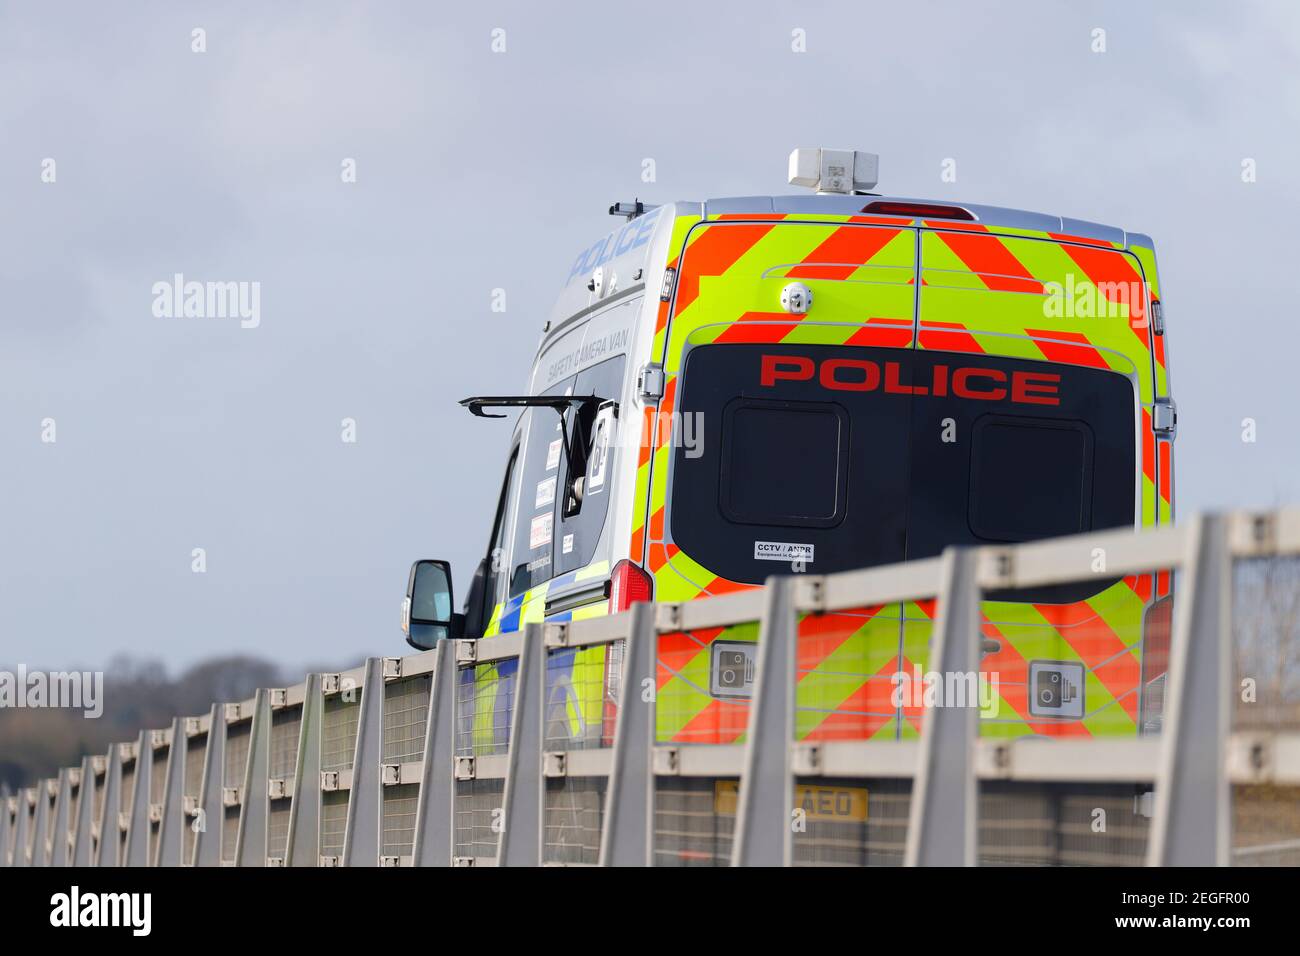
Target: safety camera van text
(738, 388)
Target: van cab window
(539, 485)
(595, 426)
(497, 557)
(562, 507)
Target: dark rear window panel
(1030, 478)
(914, 473)
(784, 464)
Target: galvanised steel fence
(465, 755)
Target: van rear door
(728, 293)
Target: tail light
(918, 210)
(628, 584)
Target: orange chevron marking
(874, 703)
(678, 649)
(1077, 351)
(1112, 272)
(847, 248)
(988, 257)
(1101, 649)
(883, 333)
(721, 722)
(948, 337)
(821, 635)
(762, 327)
(712, 254)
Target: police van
(838, 379)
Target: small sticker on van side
(545, 492)
(783, 551)
(539, 532)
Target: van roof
(839, 205)
(574, 302)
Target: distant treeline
(137, 695)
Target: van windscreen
(849, 457)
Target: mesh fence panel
(1062, 824)
(158, 774)
(237, 737)
(1266, 698)
(1265, 825)
(845, 666)
(582, 696)
(572, 819)
(705, 683)
(851, 822)
(406, 713)
(477, 805)
(339, 731)
(128, 788)
(484, 705)
(277, 827)
(1266, 643)
(694, 822)
(286, 726)
(399, 819)
(229, 833)
(333, 822)
(485, 695)
(195, 750)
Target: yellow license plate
(837, 804)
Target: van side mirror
(427, 615)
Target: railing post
(42, 823)
(20, 829)
(625, 838)
(764, 835)
(137, 826)
(433, 813)
(521, 837)
(170, 828)
(109, 851)
(81, 840)
(361, 836)
(1190, 824)
(5, 826)
(303, 846)
(250, 840)
(59, 834)
(941, 826)
(207, 839)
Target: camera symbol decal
(731, 671)
(1056, 689)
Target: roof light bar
(842, 171)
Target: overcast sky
(478, 170)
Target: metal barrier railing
(543, 747)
